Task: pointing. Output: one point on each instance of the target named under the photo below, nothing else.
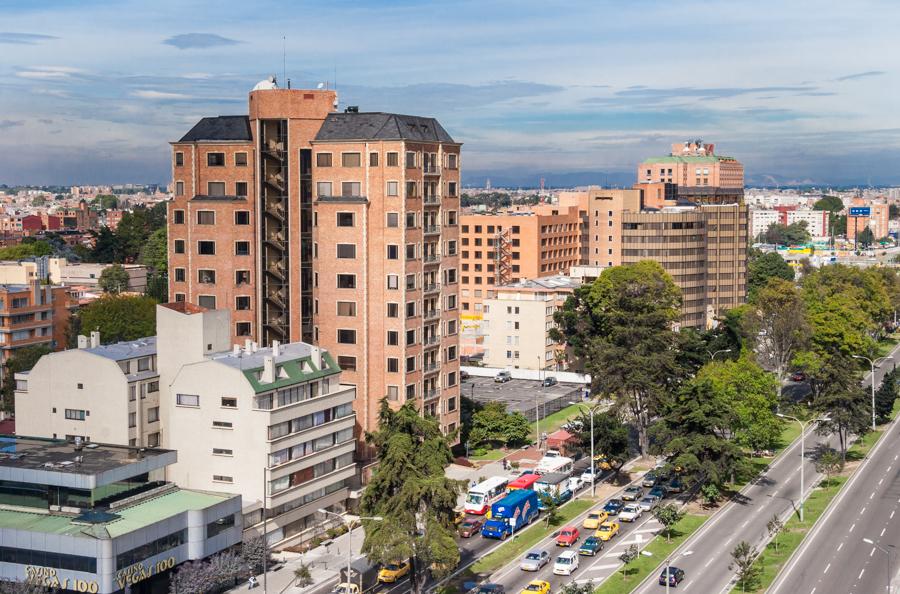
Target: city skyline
(570, 95)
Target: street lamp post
(890, 560)
(348, 520)
(871, 381)
(591, 411)
(712, 356)
(803, 425)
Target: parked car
(502, 377)
(659, 492)
(470, 527)
(607, 530)
(594, 519)
(549, 381)
(489, 588)
(633, 493)
(534, 561)
(588, 473)
(613, 506)
(630, 512)
(590, 546)
(393, 571)
(675, 486)
(567, 536)
(798, 376)
(566, 563)
(345, 588)
(463, 375)
(675, 576)
(648, 503)
(649, 479)
(459, 516)
(575, 483)
(536, 587)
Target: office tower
(701, 175)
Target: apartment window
(373, 159)
(393, 281)
(350, 160)
(346, 308)
(346, 251)
(346, 363)
(222, 452)
(410, 159)
(242, 277)
(410, 251)
(411, 309)
(206, 217)
(393, 338)
(76, 415)
(178, 217)
(451, 327)
(221, 478)
(242, 302)
(393, 310)
(215, 159)
(187, 399)
(180, 274)
(346, 281)
(132, 420)
(393, 219)
(451, 379)
(153, 440)
(393, 392)
(410, 392)
(451, 217)
(242, 217)
(451, 189)
(179, 188)
(451, 353)
(180, 297)
(393, 159)
(410, 220)
(451, 404)
(410, 282)
(410, 364)
(350, 189)
(393, 188)
(207, 301)
(229, 402)
(393, 252)
(153, 414)
(179, 159)
(242, 328)
(240, 188)
(206, 248)
(346, 336)
(222, 425)
(452, 160)
(215, 188)
(410, 337)
(323, 159)
(206, 276)
(411, 189)
(393, 365)
(323, 189)
(345, 219)
(240, 159)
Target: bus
(526, 481)
(482, 495)
(555, 464)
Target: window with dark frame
(345, 219)
(242, 217)
(241, 248)
(242, 302)
(346, 336)
(179, 159)
(240, 159)
(350, 160)
(346, 281)
(206, 248)
(215, 159)
(323, 159)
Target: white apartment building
(101, 393)
(816, 221)
(519, 319)
(760, 220)
(273, 424)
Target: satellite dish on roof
(269, 84)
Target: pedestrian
(252, 582)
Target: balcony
(431, 169)
(431, 230)
(431, 200)
(431, 258)
(432, 314)
(432, 288)
(431, 340)
(431, 394)
(431, 368)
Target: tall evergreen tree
(412, 495)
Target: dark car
(613, 506)
(489, 589)
(659, 492)
(649, 479)
(798, 376)
(675, 575)
(590, 546)
(463, 374)
(470, 527)
(675, 486)
(549, 381)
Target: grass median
(640, 568)
(551, 423)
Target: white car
(630, 512)
(534, 561)
(586, 476)
(566, 563)
(648, 503)
(575, 483)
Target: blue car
(658, 492)
(613, 506)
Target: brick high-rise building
(339, 229)
(701, 175)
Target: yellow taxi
(602, 462)
(393, 571)
(607, 530)
(458, 516)
(594, 519)
(537, 587)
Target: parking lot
(522, 395)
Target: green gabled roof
(294, 371)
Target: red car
(470, 527)
(567, 536)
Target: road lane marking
(861, 571)
(827, 567)
(599, 567)
(882, 532)
(840, 546)
(851, 528)
(707, 564)
(892, 514)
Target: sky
(93, 91)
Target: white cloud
(149, 94)
(48, 72)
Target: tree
(865, 238)
(843, 403)
(829, 203)
(26, 249)
(742, 563)
(7, 587)
(668, 515)
(114, 279)
(610, 438)
(710, 494)
(493, 424)
(410, 491)
(885, 396)
(38, 201)
(829, 463)
(627, 556)
(793, 234)
(551, 508)
(776, 322)
(763, 267)
(621, 326)
(106, 201)
(154, 253)
(576, 588)
(775, 526)
(302, 576)
(120, 317)
(22, 359)
(215, 574)
(254, 552)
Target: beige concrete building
(601, 211)
(88, 274)
(701, 175)
(273, 424)
(104, 393)
(519, 319)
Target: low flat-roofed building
(88, 517)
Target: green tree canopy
(610, 438)
(865, 238)
(120, 317)
(793, 234)
(829, 203)
(28, 249)
(154, 253)
(762, 267)
(114, 279)
(105, 201)
(777, 325)
(21, 359)
(493, 424)
(410, 491)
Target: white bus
(550, 464)
(483, 495)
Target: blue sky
(92, 91)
